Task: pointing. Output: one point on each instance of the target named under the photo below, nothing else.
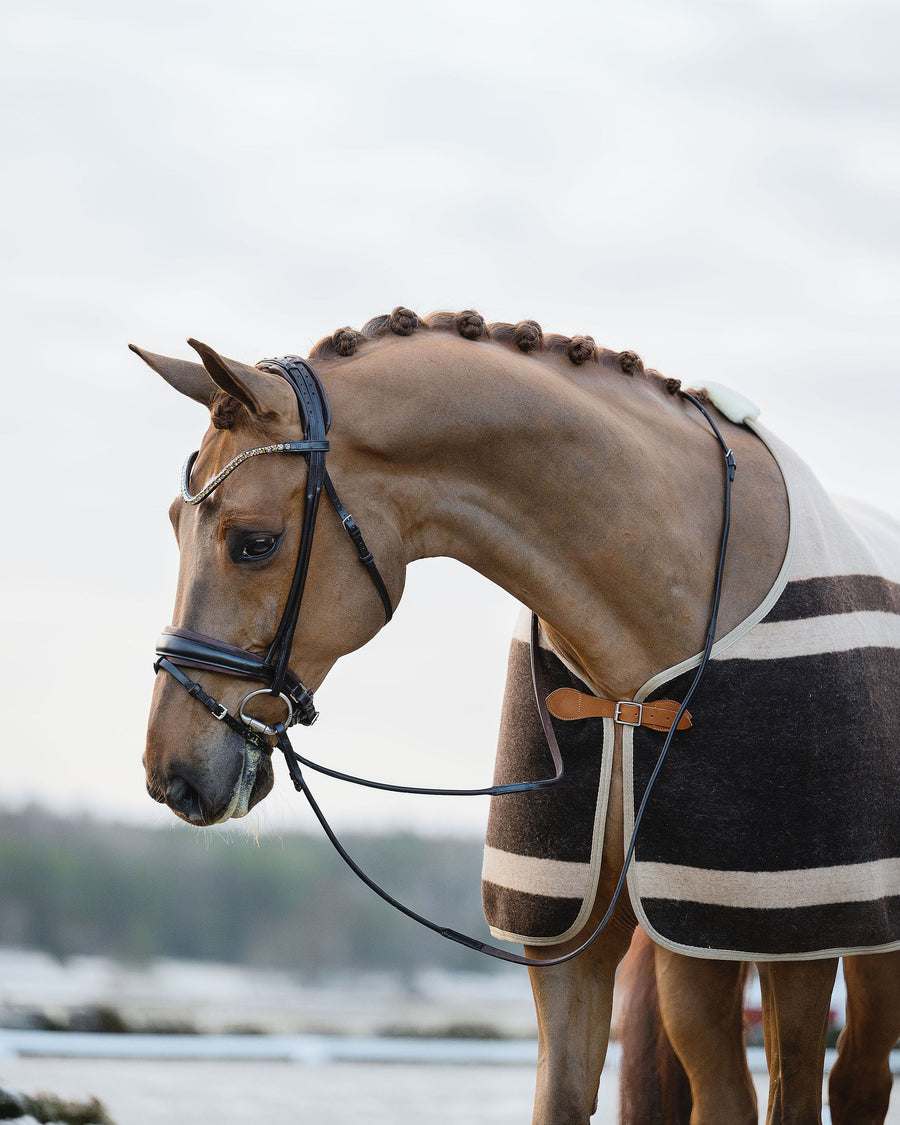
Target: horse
(587, 486)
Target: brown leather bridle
(178, 648)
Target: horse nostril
(183, 798)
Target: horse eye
(255, 546)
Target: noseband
(179, 648)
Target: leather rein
(178, 648)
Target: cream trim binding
(593, 874)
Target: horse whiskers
(156, 792)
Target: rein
(179, 648)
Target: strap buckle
(628, 722)
(300, 701)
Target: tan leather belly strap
(567, 703)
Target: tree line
(81, 886)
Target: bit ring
(257, 725)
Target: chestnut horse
(585, 486)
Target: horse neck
(568, 496)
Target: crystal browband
(211, 485)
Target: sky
(713, 185)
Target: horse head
(239, 538)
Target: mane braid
(526, 337)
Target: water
(357, 1077)
(312, 1049)
(279, 1093)
(157, 1092)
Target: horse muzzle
(222, 783)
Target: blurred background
(712, 185)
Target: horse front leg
(701, 1004)
(796, 999)
(574, 1009)
(860, 1083)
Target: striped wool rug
(773, 830)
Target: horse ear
(184, 375)
(263, 394)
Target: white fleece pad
(735, 406)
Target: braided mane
(526, 336)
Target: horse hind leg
(796, 998)
(653, 1085)
(860, 1083)
(701, 1003)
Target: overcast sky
(712, 184)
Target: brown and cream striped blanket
(773, 829)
